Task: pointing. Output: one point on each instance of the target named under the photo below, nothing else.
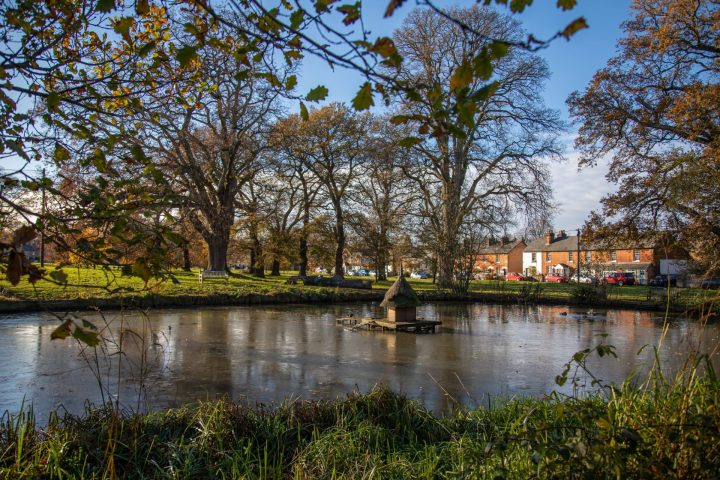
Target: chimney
(561, 234)
(505, 240)
(549, 237)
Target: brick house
(559, 254)
(500, 256)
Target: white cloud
(578, 192)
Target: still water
(270, 353)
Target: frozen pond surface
(269, 353)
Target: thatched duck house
(401, 302)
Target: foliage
(654, 108)
(666, 430)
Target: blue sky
(571, 63)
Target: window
(636, 255)
(571, 256)
(534, 257)
(548, 257)
(613, 255)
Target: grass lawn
(87, 283)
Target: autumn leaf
(574, 26)
(462, 77)
(364, 98)
(14, 267)
(296, 18)
(61, 154)
(142, 7)
(392, 6)
(23, 235)
(53, 100)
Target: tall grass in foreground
(664, 429)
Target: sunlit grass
(90, 283)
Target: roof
(400, 295)
(570, 244)
(499, 247)
(563, 244)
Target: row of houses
(562, 254)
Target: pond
(270, 353)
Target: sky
(571, 63)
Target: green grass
(97, 283)
(663, 430)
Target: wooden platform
(418, 326)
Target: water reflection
(266, 354)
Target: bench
(213, 274)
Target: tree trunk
(259, 268)
(303, 256)
(253, 259)
(217, 251)
(187, 266)
(275, 271)
(340, 238)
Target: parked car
(662, 281)
(620, 278)
(423, 275)
(584, 279)
(710, 283)
(516, 277)
(556, 278)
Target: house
(500, 256)
(559, 254)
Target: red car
(515, 277)
(556, 278)
(620, 278)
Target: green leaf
(123, 26)
(296, 18)
(61, 154)
(59, 276)
(364, 98)
(61, 332)
(499, 49)
(462, 76)
(603, 424)
(53, 100)
(85, 336)
(351, 12)
(574, 27)
(105, 5)
(290, 82)
(304, 112)
(317, 94)
(408, 142)
(566, 5)
(186, 54)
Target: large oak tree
(655, 108)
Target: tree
(482, 139)
(656, 109)
(208, 140)
(331, 144)
(382, 197)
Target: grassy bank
(107, 288)
(665, 430)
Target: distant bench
(213, 274)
